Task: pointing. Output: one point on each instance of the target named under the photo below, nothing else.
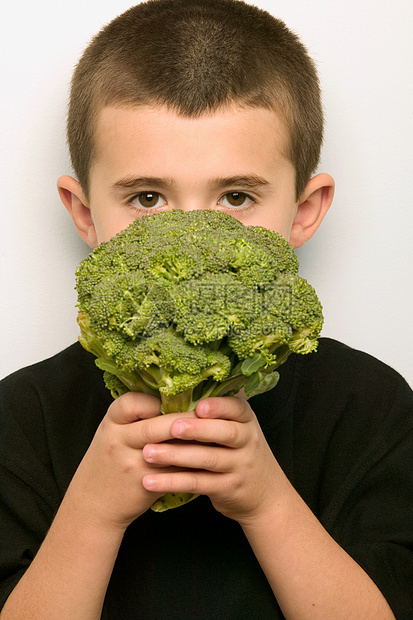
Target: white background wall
(360, 261)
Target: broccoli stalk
(185, 322)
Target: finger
(193, 456)
(150, 431)
(222, 432)
(158, 429)
(134, 406)
(199, 482)
(225, 407)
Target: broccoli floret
(186, 305)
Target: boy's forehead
(126, 129)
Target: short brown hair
(196, 56)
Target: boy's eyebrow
(250, 181)
(139, 182)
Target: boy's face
(149, 160)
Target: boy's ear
(314, 203)
(75, 201)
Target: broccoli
(186, 305)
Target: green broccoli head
(182, 299)
(186, 305)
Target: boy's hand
(107, 486)
(223, 454)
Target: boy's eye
(148, 200)
(235, 199)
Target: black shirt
(339, 423)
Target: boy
(305, 507)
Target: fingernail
(148, 482)
(202, 408)
(149, 454)
(179, 428)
